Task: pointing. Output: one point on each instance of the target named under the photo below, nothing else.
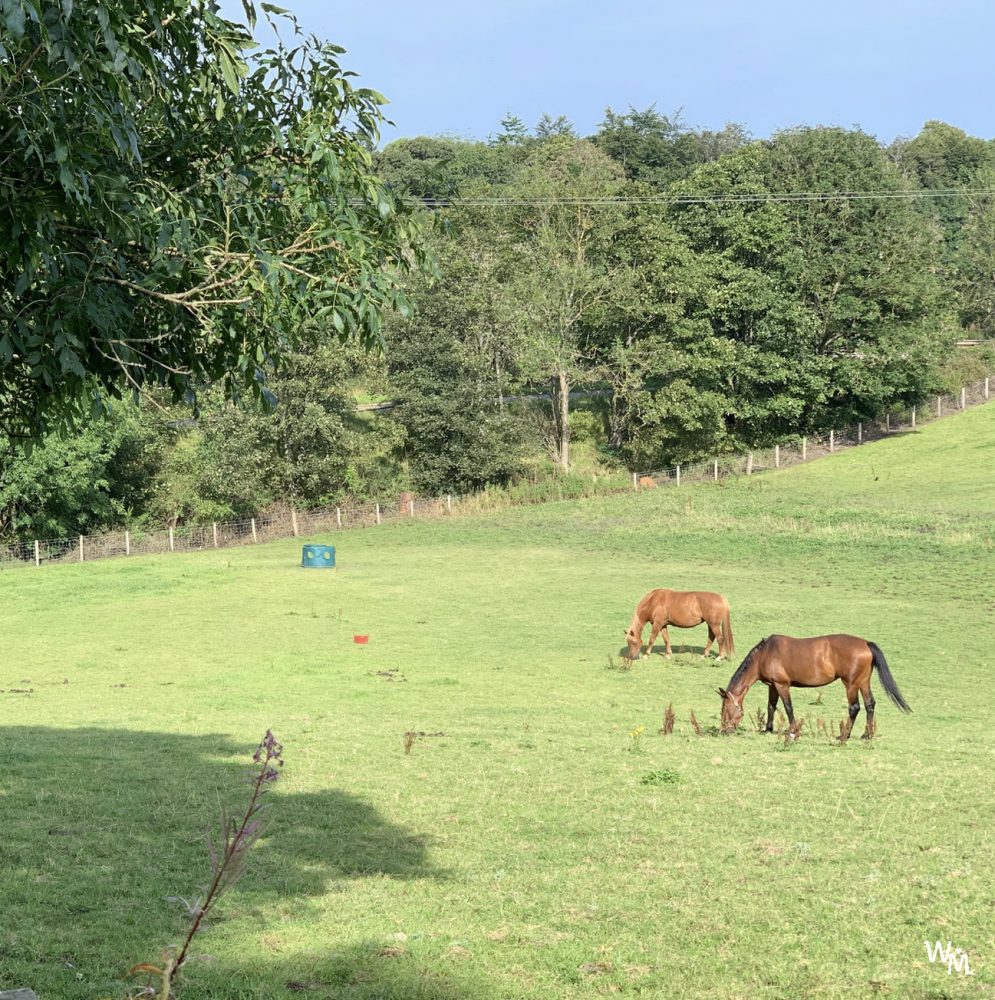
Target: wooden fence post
(913, 418)
(860, 433)
(449, 502)
(254, 537)
(378, 513)
(127, 543)
(411, 508)
(293, 521)
(777, 456)
(170, 539)
(338, 516)
(749, 464)
(963, 398)
(80, 548)
(832, 440)
(37, 554)
(678, 475)
(887, 423)
(715, 470)
(214, 527)
(939, 406)
(986, 387)
(635, 481)
(804, 449)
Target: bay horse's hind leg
(853, 706)
(865, 692)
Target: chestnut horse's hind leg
(865, 691)
(716, 635)
(771, 708)
(711, 639)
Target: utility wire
(706, 199)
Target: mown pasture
(543, 839)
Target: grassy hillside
(535, 843)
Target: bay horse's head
(634, 641)
(732, 710)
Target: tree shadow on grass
(101, 827)
(678, 649)
(369, 970)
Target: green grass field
(531, 846)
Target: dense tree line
(659, 267)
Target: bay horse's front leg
(784, 690)
(771, 708)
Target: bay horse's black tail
(888, 682)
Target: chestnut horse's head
(634, 641)
(732, 710)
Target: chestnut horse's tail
(727, 630)
(888, 682)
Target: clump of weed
(620, 664)
(636, 736)
(760, 720)
(782, 722)
(794, 731)
(844, 731)
(668, 720)
(821, 725)
(818, 699)
(229, 856)
(871, 731)
(393, 674)
(695, 725)
(415, 734)
(665, 776)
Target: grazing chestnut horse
(781, 663)
(683, 609)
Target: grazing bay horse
(682, 609)
(781, 663)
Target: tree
(94, 480)
(565, 270)
(833, 307)
(659, 149)
(174, 211)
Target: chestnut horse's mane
(745, 665)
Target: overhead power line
(707, 199)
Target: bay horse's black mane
(745, 665)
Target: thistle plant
(229, 852)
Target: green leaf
(13, 13)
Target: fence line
(293, 523)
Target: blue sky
(457, 67)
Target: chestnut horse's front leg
(666, 639)
(654, 632)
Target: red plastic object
(361, 640)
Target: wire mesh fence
(289, 522)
